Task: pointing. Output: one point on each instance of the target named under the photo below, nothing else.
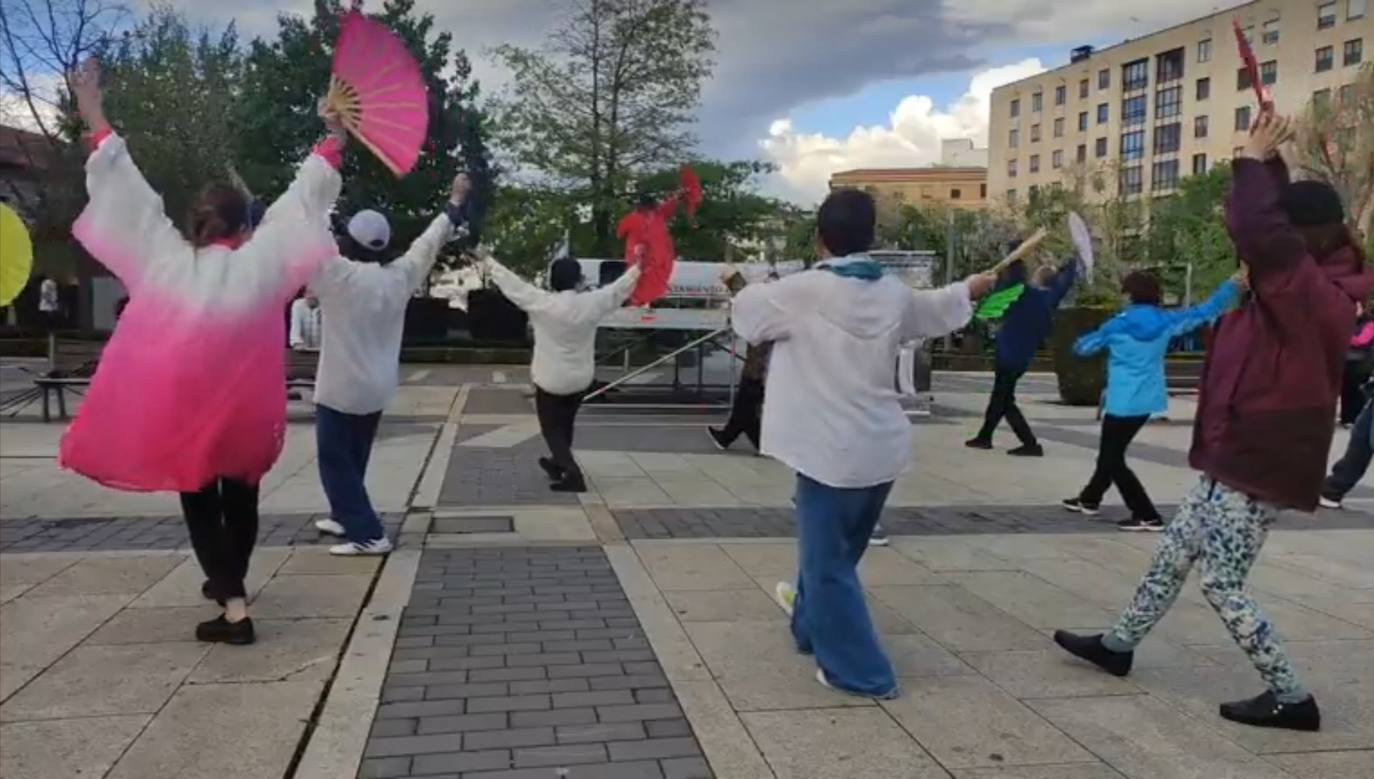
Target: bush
(1081, 379)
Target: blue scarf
(867, 270)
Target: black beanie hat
(565, 273)
(1311, 203)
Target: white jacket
(364, 313)
(830, 409)
(564, 325)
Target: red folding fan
(1247, 56)
(691, 189)
(378, 92)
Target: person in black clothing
(1359, 451)
(1356, 369)
(1024, 327)
(745, 410)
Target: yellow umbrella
(16, 255)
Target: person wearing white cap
(364, 300)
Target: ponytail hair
(220, 211)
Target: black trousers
(1117, 433)
(1001, 404)
(745, 418)
(557, 414)
(223, 521)
(1352, 390)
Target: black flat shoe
(207, 592)
(221, 631)
(551, 469)
(577, 484)
(1027, 450)
(1090, 648)
(1266, 711)
(978, 443)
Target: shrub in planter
(1081, 379)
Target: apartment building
(960, 180)
(1134, 118)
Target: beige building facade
(1135, 118)
(957, 187)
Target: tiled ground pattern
(526, 663)
(91, 534)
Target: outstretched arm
(1063, 282)
(597, 304)
(936, 312)
(518, 291)
(1091, 343)
(1190, 319)
(419, 259)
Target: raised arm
(1089, 344)
(518, 291)
(1063, 281)
(1190, 319)
(596, 305)
(1260, 230)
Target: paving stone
(384, 767)
(420, 709)
(56, 749)
(654, 748)
(563, 754)
(685, 768)
(460, 762)
(460, 723)
(509, 703)
(667, 728)
(606, 732)
(554, 717)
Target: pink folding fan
(378, 92)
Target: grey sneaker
(878, 537)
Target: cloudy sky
(817, 86)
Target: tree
(1190, 228)
(608, 98)
(285, 77)
(733, 221)
(1336, 145)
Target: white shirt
(305, 326)
(564, 326)
(830, 410)
(364, 307)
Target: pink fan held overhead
(378, 92)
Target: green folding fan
(996, 304)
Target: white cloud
(911, 137)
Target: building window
(1204, 88)
(1355, 9)
(1243, 81)
(1011, 196)
(1082, 152)
(1169, 66)
(1321, 98)
(1033, 192)
(1249, 33)
(1104, 78)
(1011, 168)
(1199, 164)
(1269, 72)
(1167, 138)
(1164, 176)
(1130, 180)
(1037, 102)
(1354, 51)
(1102, 113)
(1057, 159)
(1035, 133)
(1204, 50)
(1100, 148)
(1060, 94)
(1326, 15)
(1035, 163)
(1083, 89)
(1243, 118)
(1325, 57)
(1059, 127)
(1346, 94)
(1132, 145)
(983, 191)
(1133, 111)
(1013, 138)
(1168, 102)
(1200, 127)
(1082, 121)
(1135, 75)
(1015, 107)
(954, 194)
(1270, 31)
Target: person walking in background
(1137, 340)
(747, 406)
(832, 414)
(305, 324)
(1356, 368)
(564, 362)
(189, 395)
(1359, 451)
(1266, 415)
(364, 299)
(1023, 330)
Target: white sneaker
(820, 677)
(1328, 503)
(330, 527)
(380, 546)
(786, 595)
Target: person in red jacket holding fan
(1266, 416)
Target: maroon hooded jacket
(1267, 405)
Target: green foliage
(1189, 228)
(607, 99)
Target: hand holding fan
(996, 304)
(1247, 56)
(1083, 242)
(378, 93)
(1020, 251)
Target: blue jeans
(829, 616)
(1348, 470)
(345, 444)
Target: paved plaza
(631, 631)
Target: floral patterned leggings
(1223, 530)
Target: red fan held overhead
(1247, 56)
(691, 189)
(378, 92)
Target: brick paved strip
(105, 534)
(525, 663)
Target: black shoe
(1077, 505)
(569, 484)
(221, 631)
(207, 592)
(551, 469)
(754, 442)
(1090, 648)
(1139, 525)
(1027, 450)
(978, 443)
(1265, 711)
(718, 438)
